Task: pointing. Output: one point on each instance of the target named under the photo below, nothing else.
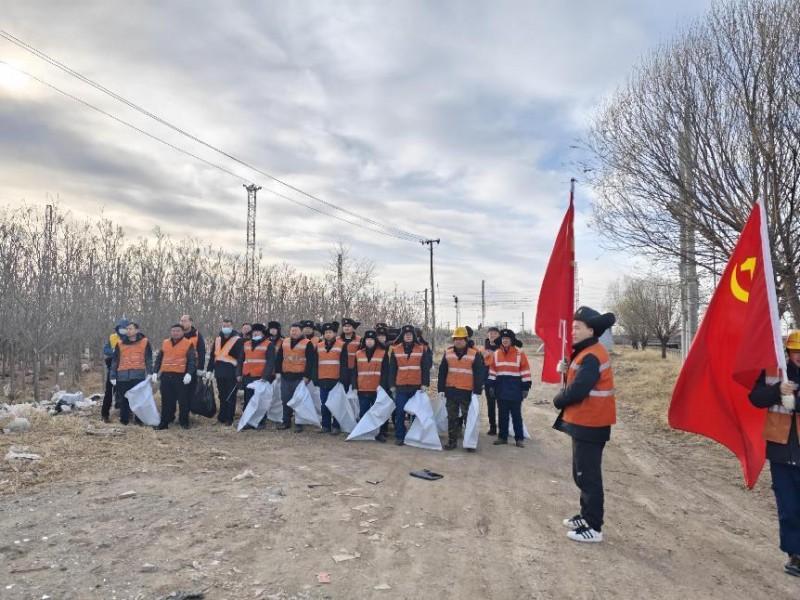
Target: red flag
(739, 336)
(557, 298)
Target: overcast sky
(451, 120)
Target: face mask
(122, 331)
(227, 330)
(258, 338)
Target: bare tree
(728, 89)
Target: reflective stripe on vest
(409, 366)
(294, 359)
(369, 370)
(131, 356)
(511, 363)
(329, 363)
(255, 358)
(173, 356)
(598, 409)
(459, 370)
(223, 353)
(352, 348)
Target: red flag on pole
(557, 297)
(739, 336)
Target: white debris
(246, 474)
(382, 586)
(17, 454)
(17, 425)
(128, 494)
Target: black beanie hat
(594, 320)
(510, 334)
(332, 326)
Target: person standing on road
(259, 360)
(120, 330)
(331, 369)
(131, 364)
(588, 410)
(783, 448)
(490, 345)
(199, 345)
(510, 376)
(410, 365)
(174, 367)
(460, 376)
(296, 363)
(371, 371)
(225, 365)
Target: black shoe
(282, 426)
(323, 430)
(184, 426)
(519, 444)
(380, 438)
(336, 431)
(106, 419)
(793, 566)
(451, 445)
(470, 449)
(399, 443)
(492, 430)
(161, 427)
(500, 442)
(298, 429)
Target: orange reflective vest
(599, 408)
(294, 359)
(778, 424)
(255, 358)
(511, 363)
(351, 348)
(329, 361)
(369, 370)
(131, 356)
(173, 356)
(409, 366)
(223, 353)
(459, 370)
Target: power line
(398, 233)
(194, 156)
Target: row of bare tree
(707, 125)
(64, 282)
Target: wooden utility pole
(483, 302)
(430, 244)
(426, 308)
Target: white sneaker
(586, 535)
(575, 522)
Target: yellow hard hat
(461, 332)
(793, 341)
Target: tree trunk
(789, 281)
(664, 348)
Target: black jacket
(764, 396)
(191, 359)
(585, 379)
(478, 373)
(311, 361)
(224, 370)
(201, 347)
(268, 374)
(135, 374)
(344, 372)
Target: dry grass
(644, 383)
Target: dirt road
(679, 523)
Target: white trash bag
(315, 394)
(305, 413)
(143, 404)
(440, 413)
(423, 432)
(275, 411)
(473, 422)
(258, 405)
(511, 434)
(352, 399)
(370, 424)
(340, 408)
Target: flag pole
(562, 326)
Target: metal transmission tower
(250, 266)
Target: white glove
(187, 379)
(201, 373)
(562, 366)
(154, 378)
(788, 402)
(209, 375)
(113, 382)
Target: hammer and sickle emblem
(741, 294)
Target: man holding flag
(734, 369)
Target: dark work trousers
(327, 417)
(173, 394)
(226, 393)
(400, 399)
(786, 485)
(108, 397)
(365, 402)
(457, 408)
(288, 386)
(125, 408)
(248, 393)
(491, 407)
(513, 408)
(587, 471)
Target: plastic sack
(423, 432)
(370, 424)
(203, 402)
(257, 406)
(341, 408)
(440, 413)
(511, 434)
(143, 404)
(275, 412)
(305, 413)
(473, 422)
(314, 391)
(352, 399)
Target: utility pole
(426, 309)
(430, 244)
(457, 313)
(523, 322)
(250, 259)
(483, 302)
(690, 293)
(340, 281)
